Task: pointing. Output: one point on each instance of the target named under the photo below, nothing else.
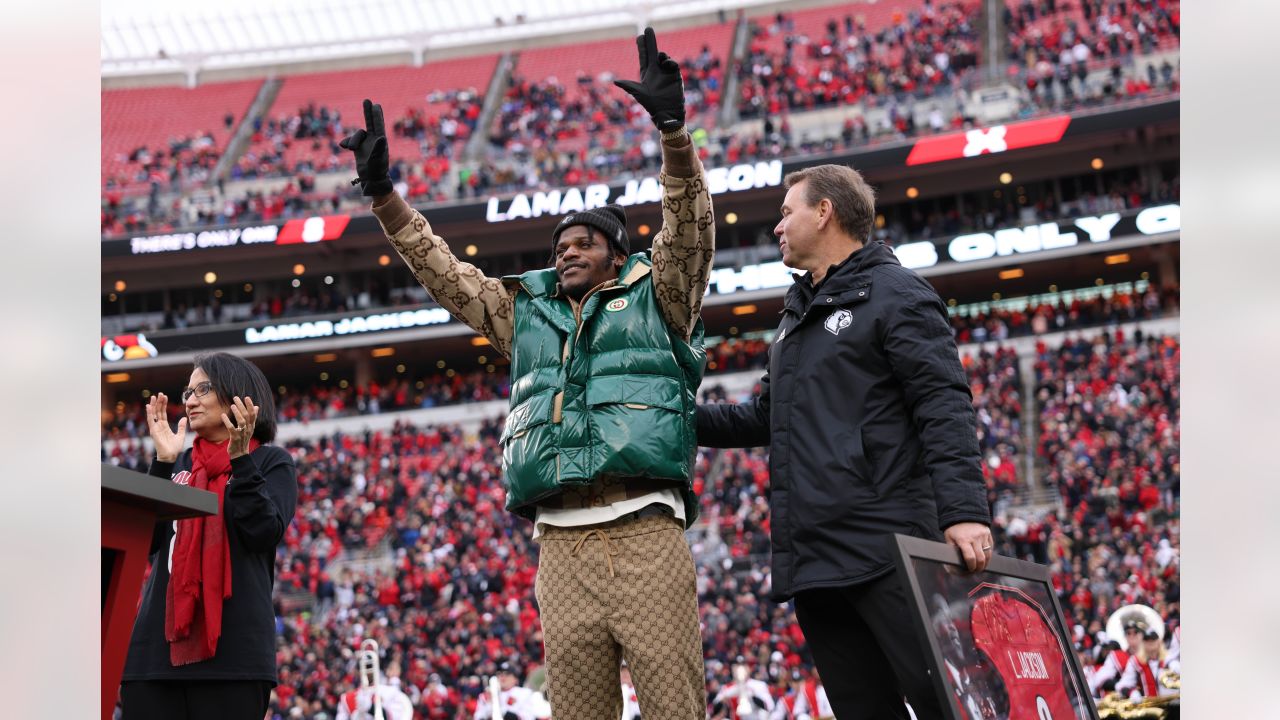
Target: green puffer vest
(613, 397)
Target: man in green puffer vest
(606, 358)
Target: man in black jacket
(871, 430)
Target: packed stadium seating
(993, 377)
(1109, 440)
(560, 124)
(1052, 41)
(828, 56)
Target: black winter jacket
(258, 506)
(869, 420)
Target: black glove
(370, 148)
(660, 89)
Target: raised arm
(479, 301)
(685, 245)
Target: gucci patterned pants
(624, 589)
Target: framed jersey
(996, 640)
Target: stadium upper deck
(184, 189)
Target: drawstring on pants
(609, 549)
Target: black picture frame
(967, 623)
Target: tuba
(1146, 617)
(371, 674)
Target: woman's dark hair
(232, 376)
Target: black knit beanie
(610, 220)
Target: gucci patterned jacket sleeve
(683, 249)
(482, 302)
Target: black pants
(195, 700)
(867, 650)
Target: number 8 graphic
(1042, 709)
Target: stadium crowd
(547, 133)
(1109, 440)
(338, 398)
(922, 53)
(1053, 44)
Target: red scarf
(200, 575)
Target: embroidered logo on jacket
(837, 321)
(616, 305)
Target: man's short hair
(851, 197)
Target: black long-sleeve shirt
(258, 505)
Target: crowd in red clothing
(921, 53)
(1053, 45)
(1040, 316)
(1110, 442)
(996, 385)
(319, 401)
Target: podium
(132, 504)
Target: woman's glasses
(200, 390)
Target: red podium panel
(132, 504)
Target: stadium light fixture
(248, 287)
(471, 250)
(731, 218)
(299, 269)
(1011, 274)
(644, 230)
(478, 341)
(1096, 163)
(210, 277)
(748, 309)
(120, 286)
(1117, 259)
(913, 192)
(114, 378)
(328, 279)
(384, 260)
(383, 352)
(326, 357)
(1006, 178)
(400, 368)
